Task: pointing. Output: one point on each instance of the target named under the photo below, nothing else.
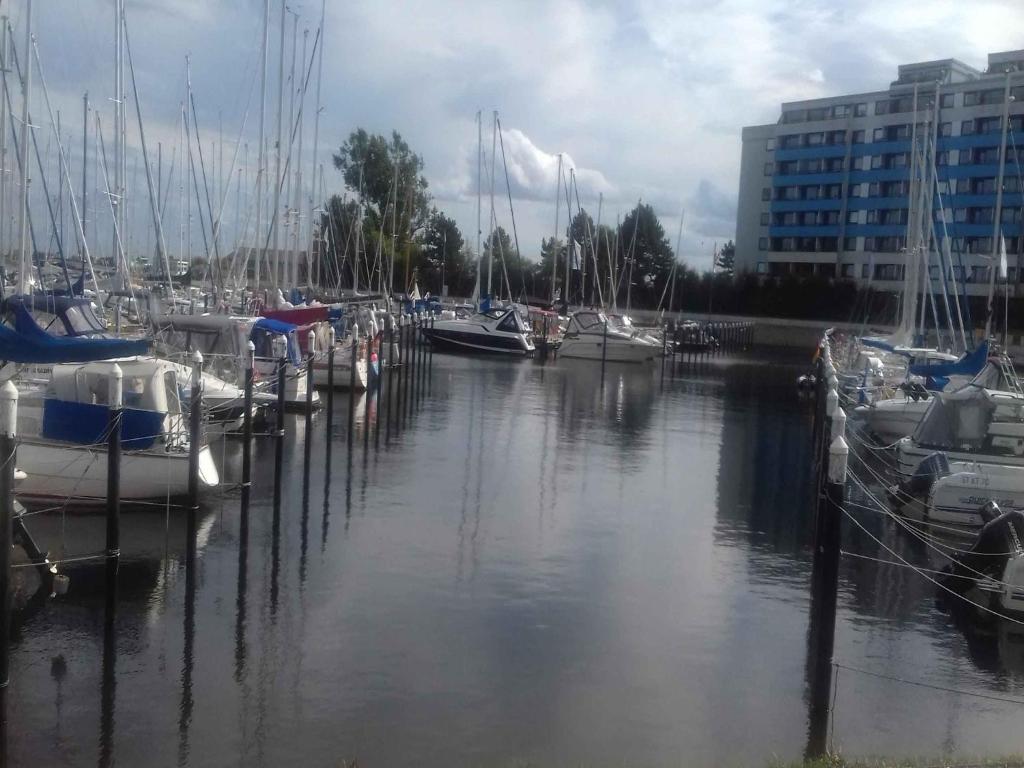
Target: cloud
(646, 98)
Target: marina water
(540, 566)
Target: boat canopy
(263, 332)
(75, 313)
(957, 420)
(26, 342)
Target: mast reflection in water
(534, 564)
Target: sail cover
(26, 342)
(968, 365)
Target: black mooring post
(195, 417)
(282, 370)
(821, 637)
(354, 360)
(8, 452)
(604, 348)
(664, 344)
(406, 367)
(369, 389)
(250, 378)
(390, 372)
(378, 384)
(421, 351)
(115, 401)
(413, 365)
(430, 362)
(330, 385)
(307, 451)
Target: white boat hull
(56, 472)
(956, 498)
(891, 419)
(591, 347)
(342, 373)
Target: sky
(645, 99)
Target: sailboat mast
(675, 262)
(490, 237)
(3, 141)
(479, 197)
(554, 239)
(296, 212)
(260, 163)
(275, 277)
(316, 144)
(23, 151)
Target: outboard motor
(932, 467)
(999, 539)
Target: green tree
(726, 261)
(645, 252)
(369, 164)
(442, 260)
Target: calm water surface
(539, 567)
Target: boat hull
(478, 343)
(56, 472)
(889, 420)
(586, 347)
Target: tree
(645, 252)
(442, 254)
(369, 164)
(726, 261)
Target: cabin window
(171, 391)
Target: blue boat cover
(86, 424)
(878, 344)
(28, 343)
(269, 325)
(968, 365)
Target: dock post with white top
(115, 404)
(8, 454)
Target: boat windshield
(588, 320)
(494, 313)
(83, 321)
(956, 422)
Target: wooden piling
(390, 373)
(247, 428)
(369, 389)
(332, 339)
(282, 366)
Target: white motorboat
(991, 573)
(591, 336)
(61, 429)
(956, 499)
(891, 418)
(973, 424)
(495, 331)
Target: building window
(881, 107)
(860, 110)
(840, 110)
(876, 161)
(888, 272)
(942, 158)
(966, 127)
(858, 137)
(990, 124)
(769, 169)
(762, 244)
(945, 129)
(850, 244)
(765, 218)
(762, 267)
(769, 146)
(815, 139)
(766, 193)
(865, 271)
(853, 190)
(946, 100)
(853, 217)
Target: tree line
(387, 216)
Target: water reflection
(538, 567)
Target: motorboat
(61, 434)
(897, 416)
(956, 499)
(497, 330)
(973, 424)
(991, 573)
(591, 336)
